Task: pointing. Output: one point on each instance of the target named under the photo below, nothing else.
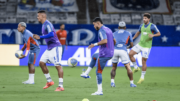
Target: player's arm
(50, 34)
(24, 47)
(114, 41)
(27, 49)
(138, 32)
(155, 30)
(130, 41)
(136, 35)
(103, 38)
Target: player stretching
(106, 51)
(122, 37)
(53, 53)
(32, 47)
(147, 31)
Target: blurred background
(77, 15)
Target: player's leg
(57, 53)
(113, 74)
(135, 50)
(92, 64)
(63, 48)
(115, 61)
(125, 60)
(101, 64)
(42, 64)
(145, 55)
(130, 74)
(31, 61)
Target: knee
(41, 63)
(95, 56)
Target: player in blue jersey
(106, 51)
(53, 53)
(121, 38)
(32, 47)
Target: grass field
(161, 84)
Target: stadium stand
(9, 12)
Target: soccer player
(32, 47)
(106, 51)
(62, 35)
(53, 52)
(147, 31)
(121, 39)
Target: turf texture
(161, 84)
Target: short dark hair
(42, 11)
(61, 24)
(147, 15)
(97, 19)
(122, 27)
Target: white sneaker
(97, 93)
(85, 75)
(28, 82)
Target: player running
(147, 31)
(122, 37)
(53, 52)
(32, 47)
(106, 51)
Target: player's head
(62, 26)
(122, 25)
(97, 22)
(21, 26)
(146, 18)
(41, 16)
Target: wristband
(96, 44)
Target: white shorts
(120, 54)
(53, 56)
(145, 51)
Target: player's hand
(151, 35)
(35, 36)
(90, 46)
(22, 56)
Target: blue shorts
(33, 56)
(101, 63)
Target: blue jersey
(30, 43)
(106, 50)
(122, 38)
(154, 29)
(51, 42)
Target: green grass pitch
(161, 84)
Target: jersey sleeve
(102, 35)
(49, 28)
(24, 47)
(28, 46)
(154, 29)
(140, 28)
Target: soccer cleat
(140, 81)
(113, 84)
(48, 84)
(97, 93)
(59, 89)
(27, 82)
(85, 76)
(133, 85)
(136, 70)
